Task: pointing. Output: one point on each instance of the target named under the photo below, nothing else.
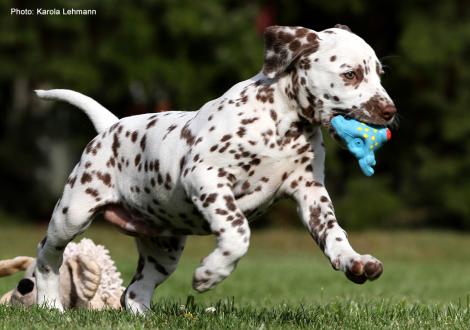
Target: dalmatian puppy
(172, 174)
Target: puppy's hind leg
(158, 258)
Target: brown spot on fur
(137, 159)
(226, 137)
(294, 45)
(211, 198)
(86, 177)
(92, 192)
(116, 144)
(105, 178)
(249, 121)
(241, 131)
(312, 37)
(314, 217)
(151, 123)
(303, 149)
(273, 114)
(237, 222)
(230, 203)
(301, 32)
(134, 136)
(187, 135)
(221, 212)
(143, 142)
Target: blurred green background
(156, 55)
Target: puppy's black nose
(25, 286)
(389, 111)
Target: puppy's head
(79, 279)
(332, 72)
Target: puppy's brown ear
(285, 44)
(11, 266)
(343, 27)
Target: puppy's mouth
(363, 116)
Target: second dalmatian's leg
(317, 213)
(217, 205)
(158, 258)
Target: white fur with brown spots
(167, 175)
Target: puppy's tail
(101, 117)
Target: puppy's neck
(298, 104)
(289, 99)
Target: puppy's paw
(362, 268)
(359, 268)
(205, 279)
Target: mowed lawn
(283, 282)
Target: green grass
(283, 282)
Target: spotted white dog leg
(158, 258)
(317, 213)
(83, 196)
(65, 224)
(217, 205)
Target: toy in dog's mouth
(361, 140)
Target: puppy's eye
(350, 75)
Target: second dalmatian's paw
(361, 268)
(205, 279)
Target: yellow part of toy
(365, 136)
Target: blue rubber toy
(361, 140)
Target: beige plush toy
(88, 278)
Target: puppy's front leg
(214, 199)
(317, 213)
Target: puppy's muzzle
(388, 112)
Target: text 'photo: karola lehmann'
(52, 12)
